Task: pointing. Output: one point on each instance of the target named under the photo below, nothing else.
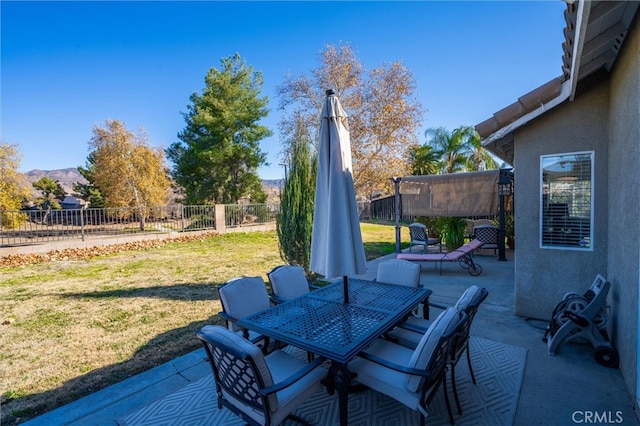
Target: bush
(451, 229)
(435, 225)
(454, 231)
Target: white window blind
(567, 201)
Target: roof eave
(496, 133)
(493, 141)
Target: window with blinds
(567, 201)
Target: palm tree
(450, 147)
(479, 158)
(424, 160)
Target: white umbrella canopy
(336, 241)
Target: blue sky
(67, 66)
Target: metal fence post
(82, 224)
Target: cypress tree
(295, 220)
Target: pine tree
(88, 191)
(218, 155)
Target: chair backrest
(398, 271)
(243, 296)
(288, 281)
(469, 228)
(418, 232)
(480, 222)
(469, 303)
(488, 234)
(240, 371)
(433, 350)
(471, 299)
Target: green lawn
(72, 327)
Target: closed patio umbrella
(336, 241)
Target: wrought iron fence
(34, 226)
(248, 214)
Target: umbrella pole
(345, 288)
(396, 203)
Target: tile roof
(604, 26)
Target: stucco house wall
(544, 275)
(623, 240)
(605, 118)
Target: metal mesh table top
(321, 323)
(369, 293)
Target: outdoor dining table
(321, 323)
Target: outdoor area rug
(492, 401)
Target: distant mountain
(66, 177)
(272, 188)
(275, 183)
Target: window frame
(545, 159)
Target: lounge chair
(462, 255)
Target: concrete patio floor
(570, 388)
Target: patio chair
(412, 377)
(468, 231)
(463, 255)
(419, 236)
(288, 282)
(410, 332)
(241, 297)
(488, 234)
(401, 272)
(397, 271)
(260, 389)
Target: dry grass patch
(72, 327)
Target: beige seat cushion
(428, 344)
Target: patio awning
(455, 194)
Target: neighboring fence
(384, 208)
(37, 226)
(246, 214)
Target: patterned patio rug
(498, 369)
